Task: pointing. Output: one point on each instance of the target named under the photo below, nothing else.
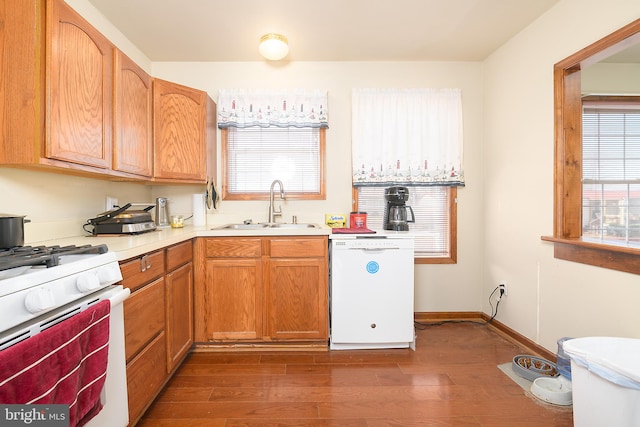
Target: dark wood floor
(451, 379)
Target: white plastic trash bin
(605, 373)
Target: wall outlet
(110, 203)
(503, 287)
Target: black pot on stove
(12, 230)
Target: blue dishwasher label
(373, 267)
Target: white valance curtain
(243, 108)
(407, 136)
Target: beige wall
(604, 78)
(548, 298)
(504, 209)
(438, 288)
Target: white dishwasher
(371, 291)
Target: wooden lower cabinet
(262, 289)
(233, 307)
(158, 321)
(179, 314)
(146, 374)
(296, 294)
(144, 317)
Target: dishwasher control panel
(372, 243)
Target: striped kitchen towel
(65, 364)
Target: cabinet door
(132, 115)
(179, 123)
(79, 88)
(296, 299)
(232, 300)
(179, 300)
(146, 375)
(22, 52)
(144, 316)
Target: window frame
(567, 230)
(225, 195)
(620, 116)
(453, 229)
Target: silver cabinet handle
(144, 263)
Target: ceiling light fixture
(273, 46)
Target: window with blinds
(432, 210)
(611, 168)
(256, 156)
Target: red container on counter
(358, 220)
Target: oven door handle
(119, 297)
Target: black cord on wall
(420, 325)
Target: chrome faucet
(273, 212)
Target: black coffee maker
(395, 214)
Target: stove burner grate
(49, 256)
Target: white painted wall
(102, 24)
(548, 298)
(504, 209)
(438, 287)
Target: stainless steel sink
(242, 227)
(299, 225)
(265, 225)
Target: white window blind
(611, 170)
(256, 156)
(431, 209)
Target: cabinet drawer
(179, 254)
(144, 269)
(233, 247)
(298, 247)
(145, 376)
(143, 316)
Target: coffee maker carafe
(395, 213)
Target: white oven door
(115, 411)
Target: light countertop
(130, 246)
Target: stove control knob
(109, 275)
(88, 282)
(39, 300)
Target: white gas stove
(45, 286)
(41, 279)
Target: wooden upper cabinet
(71, 102)
(79, 84)
(182, 133)
(21, 77)
(132, 118)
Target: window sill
(434, 260)
(599, 253)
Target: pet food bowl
(532, 367)
(553, 390)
